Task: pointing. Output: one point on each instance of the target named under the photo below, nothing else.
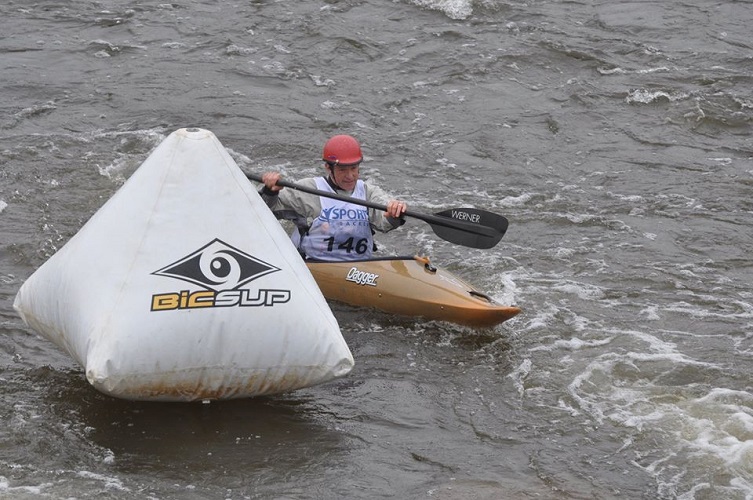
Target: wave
(454, 9)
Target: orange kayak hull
(409, 286)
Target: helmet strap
(331, 177)
(332, 183)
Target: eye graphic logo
(218, 266)
(221, 270)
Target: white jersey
(341, 231)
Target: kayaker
(331, 229)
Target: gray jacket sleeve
(303, 204)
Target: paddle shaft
(431, 219)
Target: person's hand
(396, 208)
(270, 180)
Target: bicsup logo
(221, 270)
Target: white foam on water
(582, 290)
(744, 309)
(541, 318)
(95, 482)
(110, 483)
(723, 421)
(516, 201)
(236, 50)
(454, 9)
(519, 375)
(507, 292)
(126, 161)
(116, 170)
(648, 385)
(3, 206)
(36, 109)
(622, 71)
(650, 313)
(630, 198)
(572, 344)
(714, 432)
(20, 490)
(644, 96)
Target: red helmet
(342, 150)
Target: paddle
(469, 227)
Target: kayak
(409, 286)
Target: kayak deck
(410, 286)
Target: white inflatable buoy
(185, 287)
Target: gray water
(615, 136)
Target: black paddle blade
(491, 227)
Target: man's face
(345, 176)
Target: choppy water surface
(615, 136)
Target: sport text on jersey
(339, 213)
